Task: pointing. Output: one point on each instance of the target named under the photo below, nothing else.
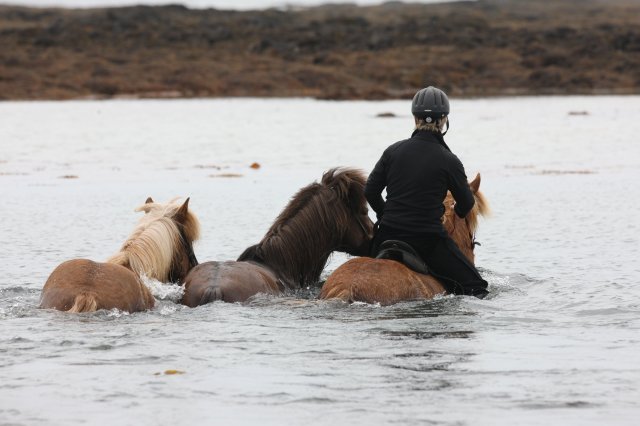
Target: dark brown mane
(312, 225)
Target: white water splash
(164, 291)
(368, 305)
(117, 313)
(168, 310)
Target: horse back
(228, 281)
(82, 285)
(383, 281)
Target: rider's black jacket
(417, 173)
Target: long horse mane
(464, 235)
(151, 247)
(480, 208)
(298, 244)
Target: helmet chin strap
(445, 132)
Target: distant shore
(483, 48)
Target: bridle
(472, 235)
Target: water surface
(555, 343)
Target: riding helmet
(430, 102)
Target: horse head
(161, 246)
(462, 230)
(184, 257)
(355, 228)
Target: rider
(417, 173)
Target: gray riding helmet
(430, 102)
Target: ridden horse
(321, 218)
(386, 281)
(160, 247)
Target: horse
(320, 218)
(386, 281)
(160, 247)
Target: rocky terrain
(483, 48)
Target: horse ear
(475, 183)
(181, 214)
(146, 209)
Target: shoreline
(294, 98)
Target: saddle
(403, 253)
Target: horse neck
(466, 247)
(297, 248)
(121, 258)
(460, 234)
(298, 263)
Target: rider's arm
(459, 188)
(376, 182)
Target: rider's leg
(445, 260)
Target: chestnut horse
(387, 281)
(321, 218)
(159, 247)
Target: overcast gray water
(556, 343)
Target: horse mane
(299, 242)
(480, 208)
(460, 234)
(151, 247)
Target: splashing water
(164, 291)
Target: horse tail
(84, 302)
(211, 294)
(336, 290)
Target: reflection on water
(556, 340)
(420, 335)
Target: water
(199, 4)
(555, 343)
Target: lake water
(556, 342)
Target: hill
(483, 48)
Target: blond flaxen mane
(151, 247)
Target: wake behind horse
(387, 281)
(321, 218)
(160, 247)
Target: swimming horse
(160, 247)
(321, 218)
(388, 281)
